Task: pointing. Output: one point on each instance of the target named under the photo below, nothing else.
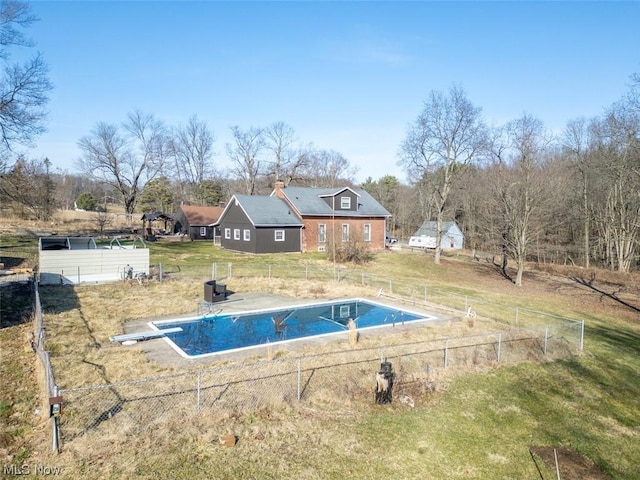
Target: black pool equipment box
(214, 292)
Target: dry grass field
(488, 421)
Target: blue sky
(347, 76)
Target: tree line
(143, 151)
(518, 190)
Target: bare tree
(522, 186)
(287, 159)
(245, 153)
(443, 141)
(192, 150)
(24, 87)
(125, 159)
(617, 213)
(578, 143)
(101, 220)
(327, 168)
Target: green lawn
(477, 425)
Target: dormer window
(345, 203)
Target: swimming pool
(223, 333)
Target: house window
(203, 231)
(227, 233)
(345, 232)
(236, 234)
(247, 234)
(279, 235)
(322, 233)
(367, 232)
(345, 203)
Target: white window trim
(203, 231)
(227, 233)
(323, 238)
(275, 235)
(345, 203)
(246, 235)
(345, 238)
(367, 232)
(236, 234)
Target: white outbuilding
(74, 260)
(451, 237)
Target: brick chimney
(278, 189)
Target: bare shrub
(101, 220)
(355, 250)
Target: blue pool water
(226, 332)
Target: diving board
(144, 335)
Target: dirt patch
(571, 465)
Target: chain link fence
(339, 376)
(140, 405)
(47, 380)
(404, 291)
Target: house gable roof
(430, 228)
(308, 201)
(265, 211)
(201, 215)
(335, 193)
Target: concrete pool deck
(159, 351)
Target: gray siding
(353, 206)
(266, 240)
(234, 218)
(194, 233)
(180, 224)
(261, 240)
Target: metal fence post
(516, 316)
(54, 426)
(229, 265)
(546, 336)
(299, 379)
(269, 271)
(199, 377)
(499, 346)
(160, 272)
(78, 275)
(581, 334)
(446, 352)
